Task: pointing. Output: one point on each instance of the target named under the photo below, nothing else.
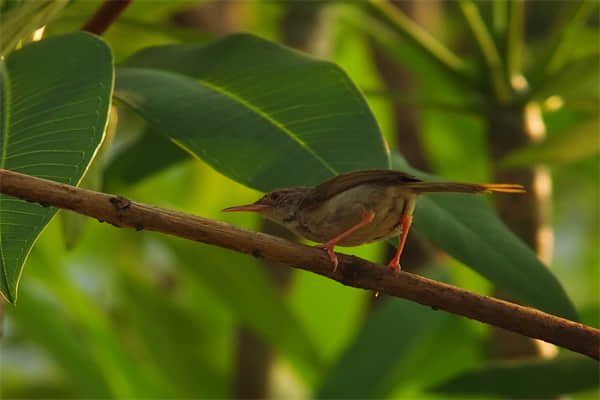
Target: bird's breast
(347, 209)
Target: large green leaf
(54, 100)
(467, 228)
(260, 113)
(529, 379)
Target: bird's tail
(455, 187)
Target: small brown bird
(357, 207)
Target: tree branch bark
(352, 271)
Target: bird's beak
(249, 207)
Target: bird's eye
(274, 196)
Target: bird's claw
(330, 253)
(395, 265)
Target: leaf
(399, 335)
(468, 229)
(528, 379)
(55, 96)
(298, 120)
(570, 146)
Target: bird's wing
(340, 183)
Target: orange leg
(367, 218)
(395, 262)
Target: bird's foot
(329, 248)
(395, 264)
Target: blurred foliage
(128, 314)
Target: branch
(352, 271)
(105, 16)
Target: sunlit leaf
(55, 96)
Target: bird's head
(279, 205)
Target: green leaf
(298, 120)
(54, 97)
(529, 379)
(466, 227)
(573, 145)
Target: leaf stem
(487, 49)
(563, 32)
(499, 18)
(426, 103)
(514, 43)
(352, 271)
(430, 46)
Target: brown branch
(352, 271)
(104, 16)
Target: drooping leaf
(467, 228)
(54, 97)
(260, 113)
(529, 379)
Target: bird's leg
(406, 220)
(367, 218)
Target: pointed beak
(249, 207)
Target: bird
(357, 207)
